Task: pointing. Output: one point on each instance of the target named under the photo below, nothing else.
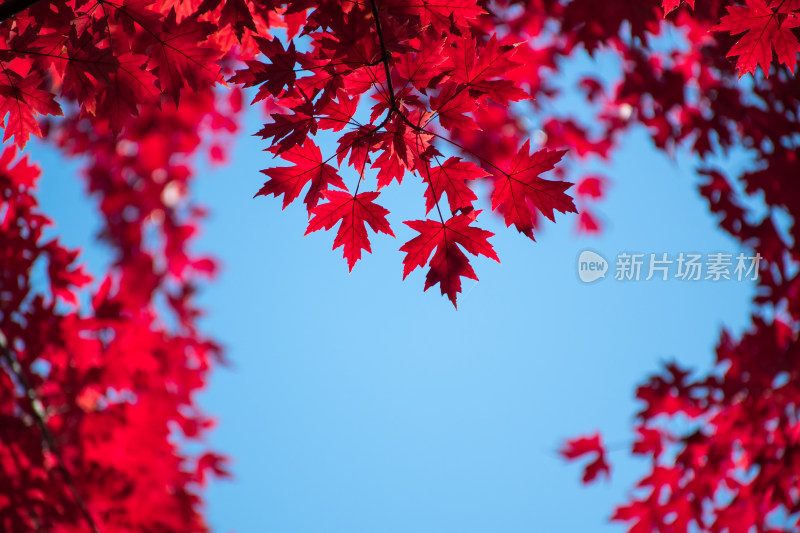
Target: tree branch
(48, 441)
(10, 8)
(384, 54)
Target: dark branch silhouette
(10, 8)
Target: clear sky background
(357, 403)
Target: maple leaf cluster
(423, 76)
(721, 445)
(765, 27)
(91, 401)
(99, 377)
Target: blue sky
(357, 403)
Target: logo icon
(591, 266)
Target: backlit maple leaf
(486, 71)
(273, 76)
(309, 167)
(338, 113)
(451, 177)
(182, 57)
(354, 212)
(236, 14)
(764, 29)
(390, 168)
(130, 86)
(290, 130)
(453, 107)
(22, 99)
(358, 143)
(420, 68)
(449, 264)
(521, 189)
(579, 447)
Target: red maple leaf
(236, 14)
(358, 143)
(451, 178)
(135, 14)
(309, 168)
(391, 168)
(354, 212)
(337, 114)
(420, 68)
(182, 57)
(581, 446)
(130, 85)
(521, 188)
(65, 277)
(22, 99)
(449, 264)
(273, 76)
(453, 107)
(289, 130)
(486, 71)
(764, 29)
